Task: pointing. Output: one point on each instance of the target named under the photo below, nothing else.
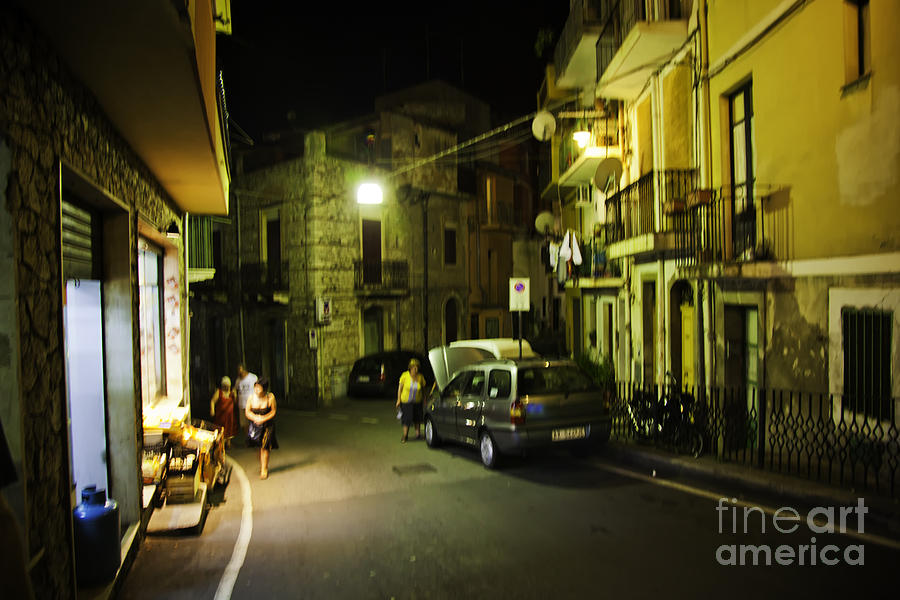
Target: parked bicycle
(672, 420)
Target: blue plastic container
(97, 537)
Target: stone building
(99, 160)
(392, 275)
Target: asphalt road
(350, 512)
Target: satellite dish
(608, 174)
(544, 222)
(543, 126)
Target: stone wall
(47, 116)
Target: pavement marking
(307, 413)
(866, 537)
(226, 584)
(370, 420)
(339, 417)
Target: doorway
(373, 330)
(451, 321)
(648, 308)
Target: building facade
(747, 219)
(93, 185)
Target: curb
(883, 511)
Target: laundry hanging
(576, 251)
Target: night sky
(300, 65)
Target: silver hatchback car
(507, 405)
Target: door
(451, 321)
(469, 407)
(373, 330)
(444, 413)
(371, 251)
(687, 346)
(649, 340)
(735, 400)
(577, 331)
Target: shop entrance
(83, 331)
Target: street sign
(519, 294)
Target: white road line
(339, 417)
(226, 584)
(370, 420)
(866, 537)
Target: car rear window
(370, 363)
(552, 379)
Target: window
(743, 212)
(457, 385)
(476, 384)
(867, 361)
(499, 383)
(449, 246)
(151, 322)
(857, 31)
(270, 245)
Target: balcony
(201, 264)
(633, 222)
(577, 166)
(575, 55)
(721, 230)
(268, 281)
(633, 43)
(151, 67)
(386, 278)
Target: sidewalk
(884, 512)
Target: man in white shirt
(243, 387)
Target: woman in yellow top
(410, 394)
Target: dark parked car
(379, 374)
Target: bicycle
(684, 423)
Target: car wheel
(431, 436)
(490, 457)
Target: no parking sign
(519, 294)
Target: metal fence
(815, 436)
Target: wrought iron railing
(815, 436)
(632, 211)
(582, 13)
(200, 243)
(384, 275)
(718, 230)
(265, 277)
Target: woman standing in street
(221, 407)
(260, 413)
(410, 394)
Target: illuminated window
(153, 367)
(857, 32)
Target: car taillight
(517, 412)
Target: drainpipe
(703, 287)
(240, 280)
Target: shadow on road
(293, 465)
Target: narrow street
(350, 512)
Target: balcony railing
(581, 13)
(386, 276)
(621, 16)
(632, 211)
(721, 230)
(200, 243)
(265, 277)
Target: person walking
(260, 413)
(221, 407)
(243, 386)
(410, 393)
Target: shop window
(150, 278)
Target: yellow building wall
(678, 135)
(834, 155)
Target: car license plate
(568, 433)
(363, 379)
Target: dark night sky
(325, 62)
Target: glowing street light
(582, 138)
(369, 193)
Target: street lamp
(369, 193)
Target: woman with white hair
(221, 407)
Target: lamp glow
(582, 138)
(369, 193)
